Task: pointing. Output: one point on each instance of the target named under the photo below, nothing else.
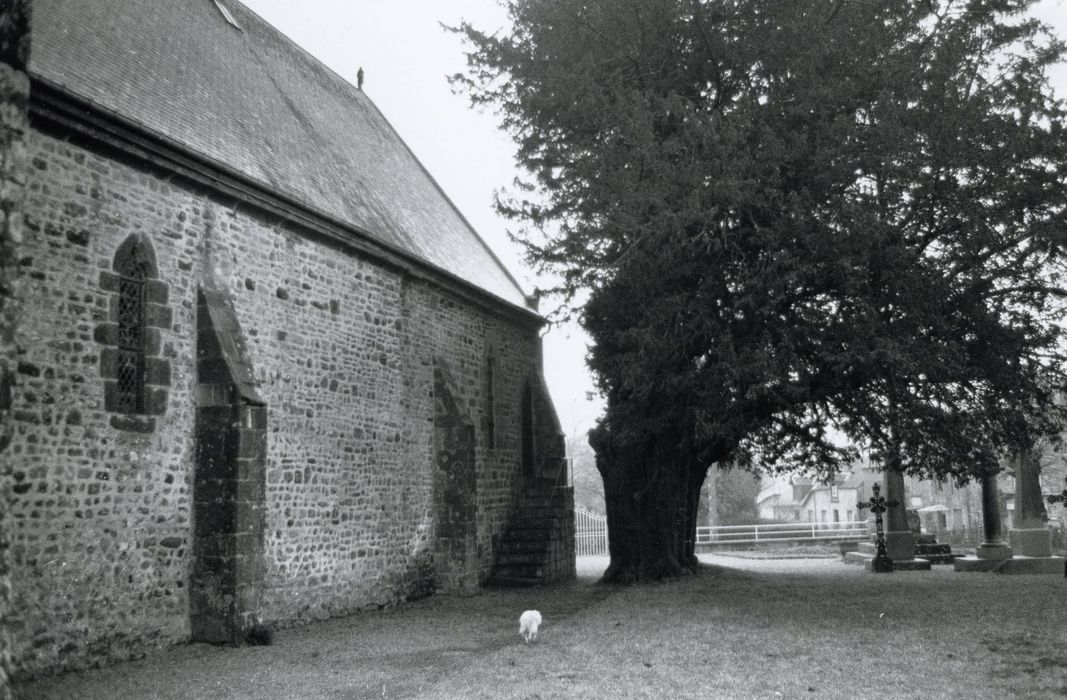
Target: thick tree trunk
(652, 496)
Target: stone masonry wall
(14, 95)
(100, 514)
(343, 353)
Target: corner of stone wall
(549, 440)
(14, 121)
(561, 564)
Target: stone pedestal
(1030, 537)
(867, 551)
(1031, 542)
(994, 551)
(899, 540)
(994, 546)
(1013, 565)
(900, 545)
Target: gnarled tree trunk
(652, 494)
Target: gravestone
(927, 547)
(996, 555)
(1029, 535)
(899, 539)
(882, 562)
(878, 555)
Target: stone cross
(882, 564)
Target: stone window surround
(136, 416)
(527, 429)
(491, 399)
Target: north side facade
(260, 369)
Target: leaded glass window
(131, 334)
(490, 402)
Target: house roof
(851, 481)
(760, 499)
(247, 98)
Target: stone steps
(526, 558)
(504, 580)
(515, 546)
(525, 548)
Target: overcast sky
(406, 55)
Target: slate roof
(253, 101)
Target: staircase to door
(537, 546)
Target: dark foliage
(783, 217)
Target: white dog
(529, 621)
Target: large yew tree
(777, 217)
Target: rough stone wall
(561, 564)
(100, 514)
(343, 352)
(464, 339)
(14, 94)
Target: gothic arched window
(136, 378)
(490, 402)
(526, 418)
(134, 271)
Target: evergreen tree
(788, 216)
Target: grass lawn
(741, 628)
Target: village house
(780, 496)
(263, 371)
(833, 503)
(950, 511)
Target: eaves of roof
(52, 105)
(244, 101)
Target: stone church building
(256, 367)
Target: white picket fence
(783, 532)
(590, 533)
